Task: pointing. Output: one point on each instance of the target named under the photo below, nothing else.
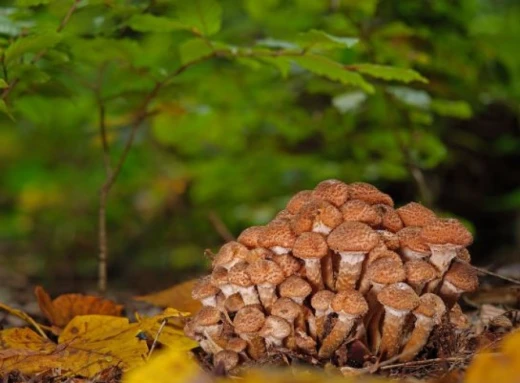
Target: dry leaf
(178, 296)
(87, 345)
(62, 309)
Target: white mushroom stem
(209, 301)
(313, 272)
(267, 292)
(227, 290)
(350, 267)
(409, 254)
(393, 324)
(280, 250)
(337, 335)
(418, 338)
(441, 258)
(320, 227)
(249, 295)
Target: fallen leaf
(178, 296)
(64, 308)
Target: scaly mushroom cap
(295, 287)
(229, 253)
(233, 303)
(283, 216)
(446, 231)
(219, 277)
(204, 289)
(259, 253)
(431, 306)
(352, 237)
(333, 191)
(463, 255)
(321, 300)
(350, 302)
(286, 308)
(289, 264)
(277, 234)
(419, 271)
(462, 276)
(410, 237)
(415, 214)
(310, 245)
(379, 253)
(391, 240)
(207, 316)
(226, 358)
(275, 327)
(386, 271)
(316, 211)
(265, 272)
(398, 296)
(298, 200)
(390, 220)
(369, 194)
(249, 237)
(236, 344)
(239, 276)
(458, 319)
(360, 211)
(248, 319)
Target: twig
(496, 275)
(24, 316)
(155, 340)
(424, 362)
(220, 226)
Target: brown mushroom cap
(381, 252)
(360, 211)
(458, 319)
(236, 344)
(322, 299)
(369, 193)
(204, 289)
(431, 306)
(277, 234)
(265, 272)
(219, 276)
(229, 252)
(286, 308)
(295, 287)
(350, 302)
(298, 200)
(415, 214)
(249, 237)
(226, 358)
(289, 264)
(410, 237)
(386, 271)
(275, 327)
(207, 316)
(259, 253)
(233, 303)
(462, 276)
(390, 220)
(446, 231)
(310, 245)
(419, 271)
(238, 275)
(316, 211)
(398, 296)
(333, 191)
(353, 237)
(463, 255)
(248, 319)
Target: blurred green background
(225, 143)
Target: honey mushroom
(311, 247)
(266, 275)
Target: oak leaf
(64, 308)
(178, 296)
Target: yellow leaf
(503, 367)
(178, 296)
(169, 366)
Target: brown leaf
(64, 308)
(178, 296)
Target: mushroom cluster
(338, 263)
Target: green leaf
(457, 109)
(282, 64)
(193, 50)
(151, 23)
(31, 3)
(30, 44)
(3, 84)
(5, 110)
(319, 39)
(388, 73)
(205, 16)
(325, 67)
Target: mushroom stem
(421, 332)
(449, 293)
(337, 335)
(267, 293)
(248, 295)
(393, 324)
(313, 273)
(350, 267)
(327, 267)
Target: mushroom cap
(349, 302)
(463, 255)
(249, 237)
(352, 237)
(360, 211)
(228, 252)
(322, 300)
(390, 220)
(226, 358)
(295, 287)
(233, 303)
(286, 308)
(382, 252)
(259, 253)
(239, 276)
(298, 200)
(219, 276)
(204, 288)
(415, 214)
(458, 319)
(276, 327)
(462, 276)
(398, 296)
(419, 271)
(283, 216)
(369, 193)
(236, 344)
(277, 234)
(310, 245)
(386, 271)
(265, 272)
(431, 306)
(316, 211)
(289, 264)
(410, 237)
(248, 319)
(207, 316)
(445, 231)
(391, 240)
(333, 191)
